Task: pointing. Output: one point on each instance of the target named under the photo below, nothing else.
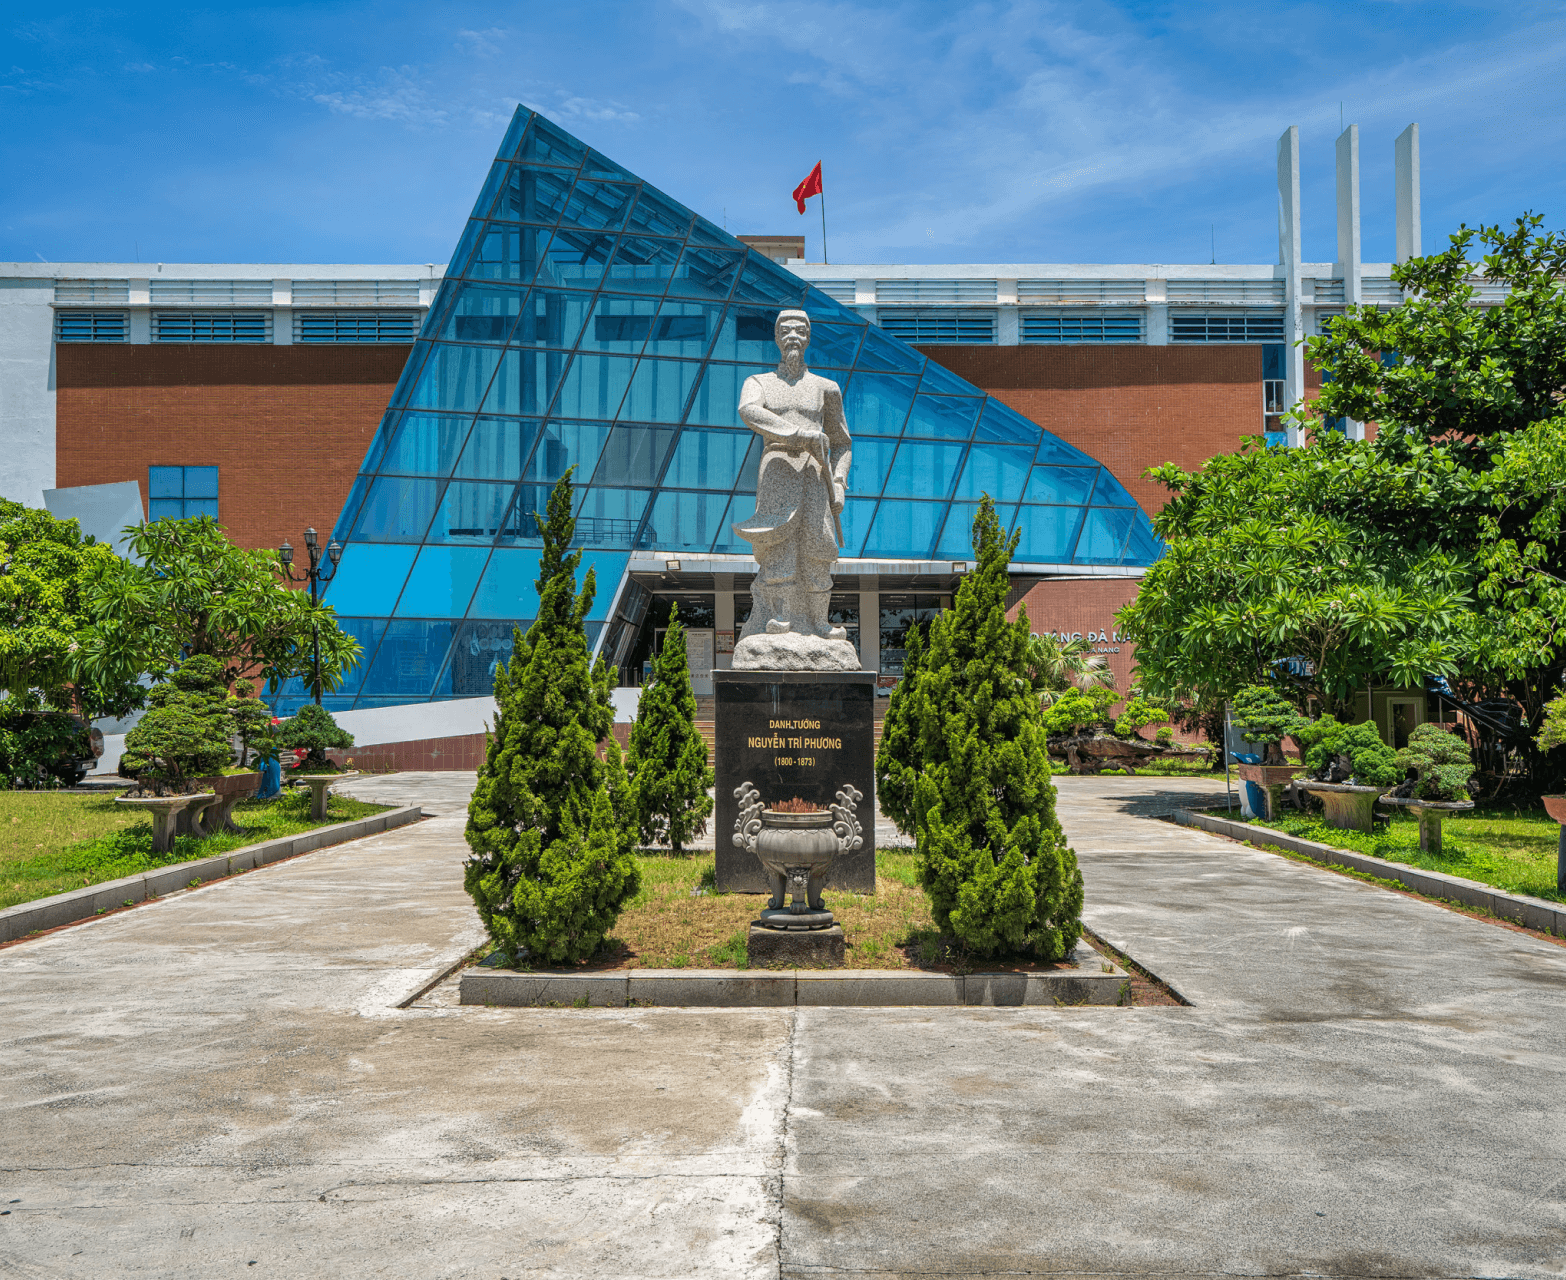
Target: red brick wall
(286, 426)
(1083, 605)
(1130, 407)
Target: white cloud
(483, 44)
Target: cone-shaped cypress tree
(992, 856)
(668, 757)
(896, 760)
(552, 858)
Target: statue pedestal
(804, 734)
(804, 948)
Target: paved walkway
(1366, 1085)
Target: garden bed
(55, 841)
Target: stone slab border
(82, 904)
(773, 988)
(1535, 913)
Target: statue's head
(792, 333)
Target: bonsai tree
(1078, 711)
(552, 860)
(1552, 729)
(1441, 760)
(896, 759)
(668, 757)
(1138, 714)
(313, 731)
(187, 732)
(253, 723)
(1266, 718)
(1348, 753)
(992, 856)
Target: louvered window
(356, 293)
(92, 291)
(355, 326)
(1324, 321)
(940, 326)
(1380, 290)
(1113, 291)
(212, 326)
(1241, 326)
(90, 326)
(1231, 291)
(838, 290)
(935, 291)
(1048, 327)
(211, 293)
(1329, 290)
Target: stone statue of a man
(797, 528)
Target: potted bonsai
(1080, 729)
(1265, 717)
(313, 732)
(1552, 733)
(1348, 768)
(1438, 765)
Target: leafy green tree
(195, 592)
(185, 734)
(39, 749)
(668, 756)
(1079, 711)
(1139, 712)
(896, 759)
(1329, 744)
(253, 723)
(1441, 759)
(313, 730)
(552, 861)
(1057, 665)
(1263, 716)
(992, 856)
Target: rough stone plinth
(808, 948)
(790, 652)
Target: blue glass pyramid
(588, 320)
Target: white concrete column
(723, 614)
(139, 295)
(27, 394)
(1289, 259)
(1406, 152)
(1008, 327)
(282, 313)
(1156, 291)
(1348, 214)
(869, 623)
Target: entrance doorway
(1404, 715)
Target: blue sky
(996, 132)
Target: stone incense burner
(797, 850)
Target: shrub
(1552, 732)
(668, 757)
(1139, 713)
(1078, 710)
(39, 748)
(187, 732)
(1164, 737)
(992, 856)
(1442, 761)
(253, 723)
(1371, 763)
(1266, 717)
(313, 731)
(548, 823)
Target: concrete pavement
(1366, 1085)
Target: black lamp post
(314, 576)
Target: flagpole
(823, 222)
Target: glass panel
(685, 521)
(752, 464)
(442, 582)
(956, 540)
(728, 542)
(944, 417)
(1049, 534)
(350, 511)
(165, 482)
(1109, 492)
(609, 517)
(620, 324)
(857, 514)
(480, 648)
(410, 373)
(454, 378)
(367, 631)
(1104, 536)
(683, 329)
(660, 389)
(383, 433)
(506, 590)
(471, 511)
(820, 306)
(369, 577)
(533, 195)
(996, 469)
(201, 482)
(601, 205)
(482, 313)
(746, 334)
(576, 259)
(882, 351)
(566, 444)
(486, 196)
(165, 509)
(525, 385)
(642, 265)
(201, 507)
(594, 386)
(1144, 546)
(597, 166)
(764, 282)
(877, 403)
(872, 458)
(904, 530)
(397, 510)
(924, 470)
(703, 232)
(427, 444)
(552, 318)
(940, 381)
(717, 398)
(1067, 485)
(497, 448)
(506, 252)
(464, 251)
(547, 143)
(705, 273)
(410, 657)
(707, 459)
(608, 568)
(514, 132)
(657, 215)
(833, 346)
(634, 455)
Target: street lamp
(315, 576)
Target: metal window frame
(1252, 330)
(351, 326)
(213, 321)
(923, 322)
(1030, 321)
(101, 326)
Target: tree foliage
(186, 733)
(896, 759)
(253, 721)
(1265, 717)
(1055, 666)
(1336, 752)
(313, 730)
(668, 756)
(1441, 760)
(549, 823)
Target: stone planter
(1271, 778)
(230, 789)
(1429, 813)
(1349, 808)
(1555, 806)
(166, 811)
(320, 784)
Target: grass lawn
(52, 841)
(1507, 849)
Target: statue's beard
(792, 365)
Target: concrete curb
(82, 904)
(782, 988)
(1535, 913)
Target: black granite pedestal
(802, 734)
